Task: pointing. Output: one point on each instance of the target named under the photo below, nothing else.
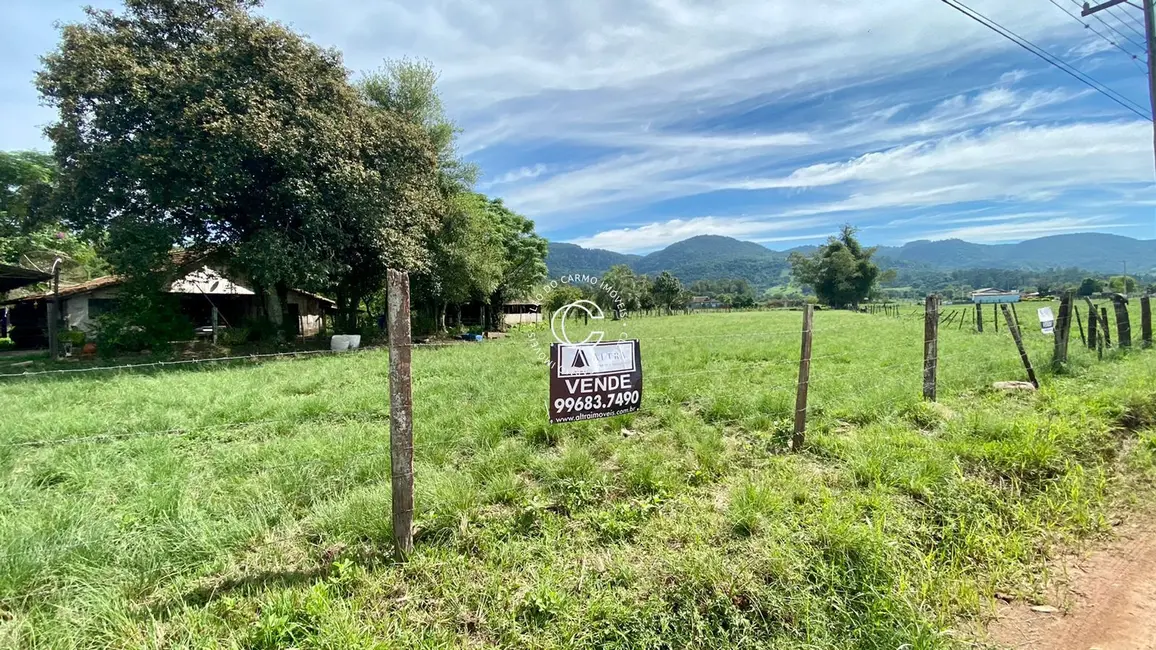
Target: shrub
(6, 344)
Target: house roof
(14, 277)
(205, 281)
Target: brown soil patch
(1105, 600)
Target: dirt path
(1106, 601)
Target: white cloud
(518, 175)
(1020, 230)
(1007, 162)
(659, 234)
(656, 166)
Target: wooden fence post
(930, 346)
(979, 318)
(1080, 324)
(1123, 321)
(995, 317)
(1093, 330)
(216, 319)
(400, 410)
(1105, 327)
(1015, 332)
(1063, 330)
(1146, 320)
(804, 380)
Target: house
(704, 302)
(517, 312)
(994, 296)
(199, 292)
(12, 278)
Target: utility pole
(1149, 41)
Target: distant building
(517, 312)
(199, 291)
(994, 296)
(704, 302)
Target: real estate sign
(594, 380)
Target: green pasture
(248, 505)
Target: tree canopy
(840, 272)
(201, 125)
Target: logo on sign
(595, 359)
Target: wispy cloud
(519, 174)
(659, 234)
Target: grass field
(248, 505)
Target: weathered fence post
(930, 346)
(995, 317)
(1063, 330)
(216, 317)
(1123, 321)
(1080, 324)
(979, 318)
(804, 380)
(400, 410)
(1146, 320)
(1105, 327)
(1093, 330)
(1015, 332)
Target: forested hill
(706, 257)
(711, 257)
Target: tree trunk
(273, 307)
(442, 317)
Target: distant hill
(1098, 252)
(565, 259)
(706, 257)
(711, 257)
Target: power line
(1097, 32)
(1105, 24)
(1131, 23)
(1043, 54)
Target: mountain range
(713, 257)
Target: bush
(6, 344)
(142, 322)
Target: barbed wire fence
(402, 447)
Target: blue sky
(632, 124)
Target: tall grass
(248, 506)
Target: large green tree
(840, 272)
(201, 125)
(466, 251)
(666, 290)
(523, 258)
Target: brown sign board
(594, 380)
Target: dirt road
(1106, 602)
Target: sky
(632, 124)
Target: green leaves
(841, 272)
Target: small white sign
(1047, 320)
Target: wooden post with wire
(216, 318)
(1123, 321)
(930, 346)
(1080, 324)
(1105, 327)
(400, 409)
(1015, 332)
(804, 380)
(979, 318)
(1063, 330)
(1146, 320)
(1093, 330)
